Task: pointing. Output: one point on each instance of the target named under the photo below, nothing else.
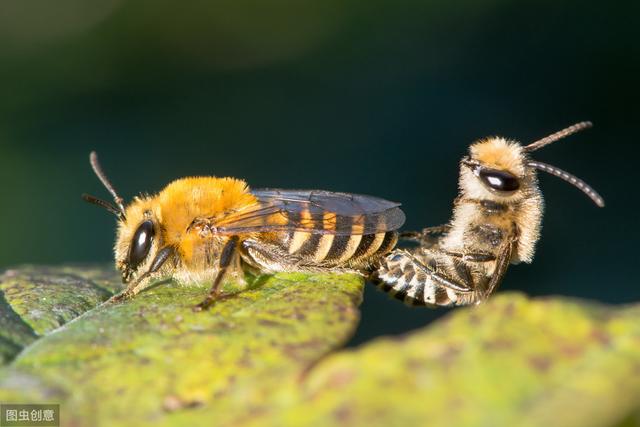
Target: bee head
(495, 170)
(501, 170)
(137, 237)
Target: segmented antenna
(557, 136)
(103, 204)
(571, 179)
(95, 165)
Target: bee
(496, 222)
(201, 229)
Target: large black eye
(499, 180)
(141, 243)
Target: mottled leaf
(152, 357)
(511, 362)
(269, 356)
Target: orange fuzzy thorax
(179, 204)
(186, 199)
(201, 197)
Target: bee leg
(502, 264)
(163, 255)
(427, 236)
(438, 229)
(237, 273)
(443, 279)
(228, 252)
(471, 257)
(411, 236)
(451, 283)
(119, 297)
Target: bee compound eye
(141, 243)
(499, 180)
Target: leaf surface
(270, 355)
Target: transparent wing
(314, 211)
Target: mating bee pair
(205, 228)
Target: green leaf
(152, 356)
(47, 298)
(511, 362)
(269, 356)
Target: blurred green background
(376, 97)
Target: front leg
(226, 257)
(137, 285)
(468, 256)
(427, 236)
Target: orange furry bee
(496, 222)
(203, 228)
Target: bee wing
(314, 211)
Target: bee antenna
(571, 179)
(103, 204)
(95, 165)
(557, 136)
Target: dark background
(376, 97)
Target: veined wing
(314, 211)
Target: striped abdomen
(330, 250)
(354, 250)
(408, 276)
(302, 249)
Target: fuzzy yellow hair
(200, 197)
(177, 205)
(499, 153)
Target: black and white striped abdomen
(317, 252)
(330, 250)
(322, 240)
(407, 277)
